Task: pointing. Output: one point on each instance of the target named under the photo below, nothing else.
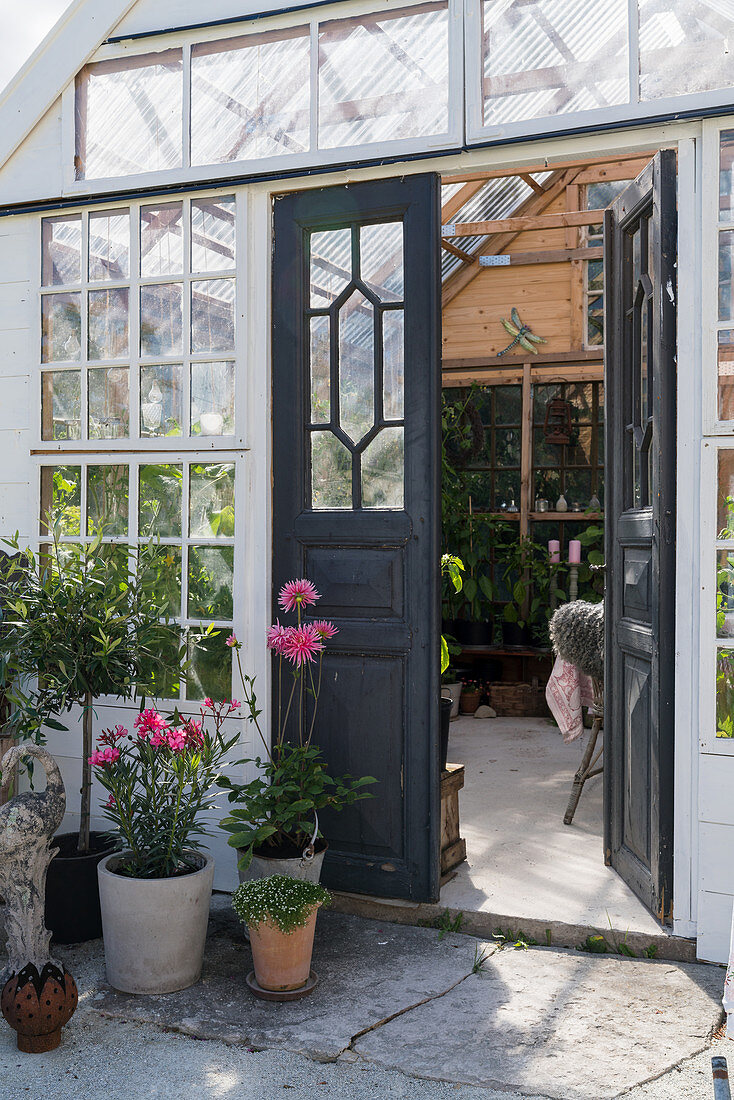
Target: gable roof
(68, 46)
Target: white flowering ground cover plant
(283, 901)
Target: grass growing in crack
(481, 958)
(600, 945)
(518, 940)
(445, 923)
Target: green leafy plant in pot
(274, 822)
(533, 582)
(280, 913)
(79, 623)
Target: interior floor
(521, 859)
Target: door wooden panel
(640, 241)
(356, 415)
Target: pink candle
(554, 550)
(574, 552)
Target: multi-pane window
(574, 469)
(598, 197)
(138, 322)
(323, 84)
(488, 431)
(138, 347)
(725, 596)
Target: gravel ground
(103, 1059)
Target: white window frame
(634, 110)
(453, 138)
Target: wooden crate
(453, 848)
(517, 700)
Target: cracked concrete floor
(398, 1014)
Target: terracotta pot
(38, 1005)
(154, 928)
(469, 701)
(282, 959)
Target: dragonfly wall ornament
(521, 333)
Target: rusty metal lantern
(557, 427)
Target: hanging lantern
(557, 427)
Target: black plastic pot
(72, 894)
(444, 728)
(470, 633)
(515, 636)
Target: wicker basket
(514, 700)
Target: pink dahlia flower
(325, 629)
(297, 594)
(301, 644)
(275, 635)
(232, 641)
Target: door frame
(686, 136)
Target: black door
(356, 437)
(640, 267)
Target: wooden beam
(614, 171)
(455, 203)
(526, 451)
(462, 255)
(490, 376)
(527, 224)
(546, 166)
(548, 256)
(573, 240)
(590, 355)
(538, 188)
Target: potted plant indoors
(155, 892)
(78, 624)
(533, 581)
(471, 696)
(274, 822)
(280, 913)
(452, 570)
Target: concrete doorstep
(542, 1021)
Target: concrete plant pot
(154, 929)
(282, 960)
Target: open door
(640, 273)
(356, 457)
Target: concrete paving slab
(368, 971)
(556, 1024)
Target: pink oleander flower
(275, 635)
(110, 736)
(301, 644)
(111, 801)
(208, 703)
(149, 723)
(102, 757)
(176, 739)
(297, 594)
(232, 642)
(234, 704)
(325, 628)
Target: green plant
(286, 902)
(453, 569)
(517, 940)
(532, 581)
(481, 958)
(80, 622)
(447, 924)
(279, 808)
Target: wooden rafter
(455, 203)
(465, 257)
(546, 166)
(527, 223)
(538, 188)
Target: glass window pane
(129, 116)
(725, 498)
(108, 499)
(684, 48)
(108, 324)
(164, 579)
(160, 674)
(356, 366)
(383, 77)
(109, 245)
(211, 504)
(726, 177)
(61, 328)
(382, 470)
(381, 259)
(161, 239)
(211, 579)
(331, 472)
(61, 240)
(320, 370)
(726, 248)
(61, 404)
(507, 446)
(508, 404)
(61, 499)
(161, 319)
(393, 364)
(212, 235)
(212, 398)
(250, 97)
(159, 501)
(725, 693)
(331, 265)
(725, 594)
(212, 315)
(109, 402)
(545, 58)
(210, 667)
(726, 374)
(161, 400)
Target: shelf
(592, 517)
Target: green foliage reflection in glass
(211, 507)
(160, 500)
(725, 693)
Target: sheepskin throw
(577, 634)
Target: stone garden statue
(38, 994)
